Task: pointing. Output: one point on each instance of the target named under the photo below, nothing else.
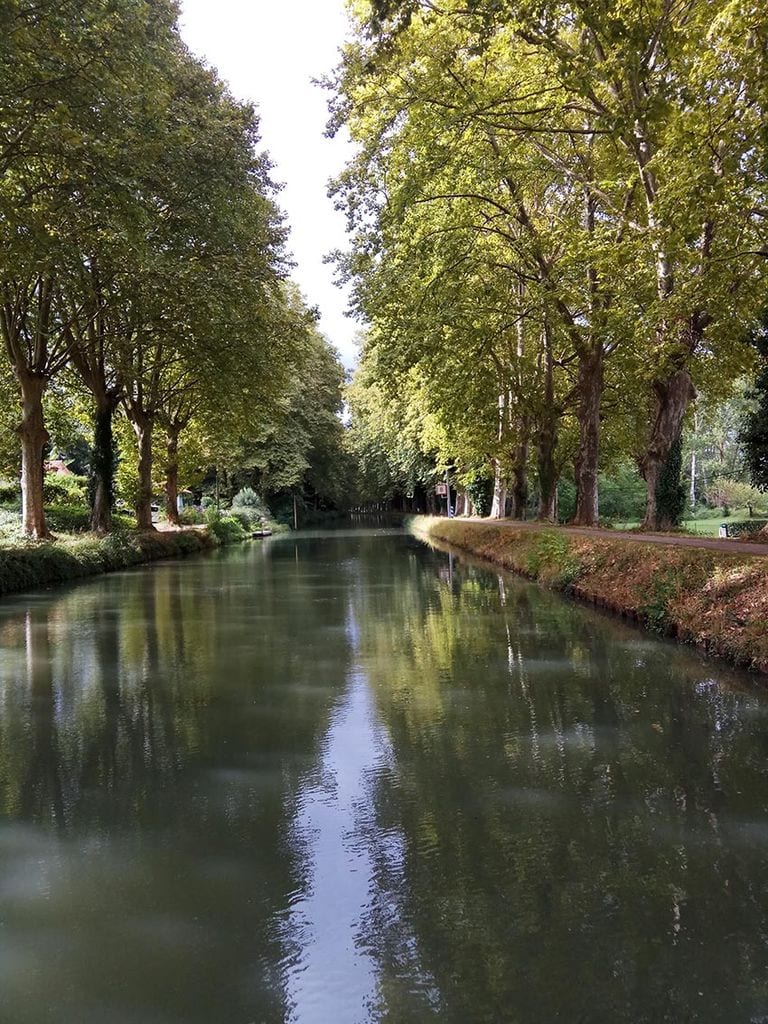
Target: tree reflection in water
(340, 778)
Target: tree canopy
(558, 222)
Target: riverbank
(26, 566)
(711, 598)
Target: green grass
(701, 527)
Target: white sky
(268, 51)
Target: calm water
(343, 780)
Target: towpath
(669, 539)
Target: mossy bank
(716, 600)
(27, 566)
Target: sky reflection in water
(344, 779)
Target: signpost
(443, 490)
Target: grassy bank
(26, 566)
(716, 600)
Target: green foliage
(622, 494)
(247, 498)
(670, 493)
(550, 558)
(655, 606)
(480, 493)
(25, 566)
(754, 431)
(225, 529)
(566, 499)
(191, 517)
(59, 488)
(549, 242)
(10, 492)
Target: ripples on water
(345, 779)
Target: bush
(480, 493)
(226, 529)
(246, 498)
(68, 518)
(10, 492)
(249, 518)
(65, 490)
(249, 509)
(191, 517)
(552, 560)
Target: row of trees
(142, 260)
(558, 213)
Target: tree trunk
(672, 398)
(498, 506)
(519, 490)
(172, 477)
(547, 471)
(587, 460)
(142, 426)
(34, 438)
(103, 464)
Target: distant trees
(556, 224)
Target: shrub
(551, 558)
(480, 493)
(10, 492)
(246, 498)
(68, 518)
(64, 490)
(191, 517)
(249, 518)
(249, 508)
(656, 602)
(226, 529)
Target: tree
(754, 433)
(65, 113)
(606, 161)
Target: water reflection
(351, 779)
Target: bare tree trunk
(142, 425)
(34, 438)
(498, 506)
(672, 397)
(587, 460)
(172, 476)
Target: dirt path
(734, 547)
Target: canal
(344, 778)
